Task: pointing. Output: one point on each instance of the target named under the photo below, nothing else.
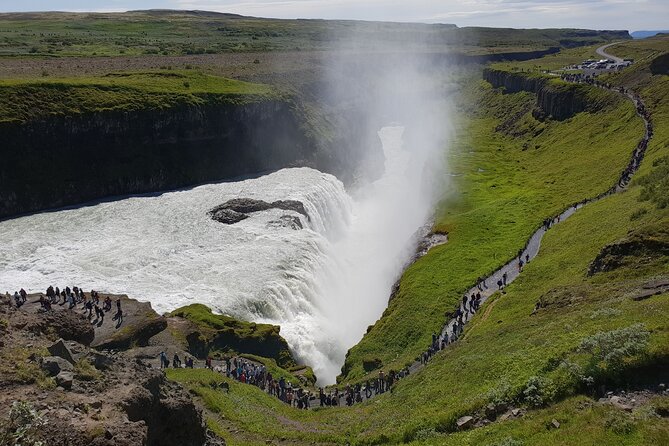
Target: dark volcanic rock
(237, 209)
(140, 323)
(127, 152)
(245, 205)
(227, 216)
(286, 221)
(660, 65)
(54, 365)
(559, 103)
(291, 205)
(61, 350)
(169, 413)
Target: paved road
(602, 52)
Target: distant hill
(644, 34)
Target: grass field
(182, 32)
(588, 332)
(22, 100)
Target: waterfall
(323, 284)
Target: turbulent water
(323, 284)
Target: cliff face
(66, 160)
(559, 102)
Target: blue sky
(593, 14)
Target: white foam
(323, 284)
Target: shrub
(611, 349)
(638, 214)
(503, 394)
(539, 391)
(22, 424)
(605, 313)
(425, 434)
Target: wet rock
(227, 216)
(291, 205)
(54, 365)
(237, 209)
(286, 221)
(60, 349)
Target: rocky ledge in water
(237, 209)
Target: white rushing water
(324, 284)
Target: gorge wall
(64, 160)
(559, 101)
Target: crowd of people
(73, 297)
(248, 372)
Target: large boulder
(60, 349)
(64, 379)
(54, 365)
(227, 216)
(237, 209)
(139, 324)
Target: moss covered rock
(216, 333)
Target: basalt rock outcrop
(64, 160)
(140, 323)
(558, 101)
(237, 209)
(660, 65)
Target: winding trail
(533, 245)
(602, 52)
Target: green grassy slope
(22, 100)
(183, 32)
(538, 361)
(511, 181)
(503, 348)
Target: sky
(591, 14)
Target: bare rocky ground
(91, 396)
